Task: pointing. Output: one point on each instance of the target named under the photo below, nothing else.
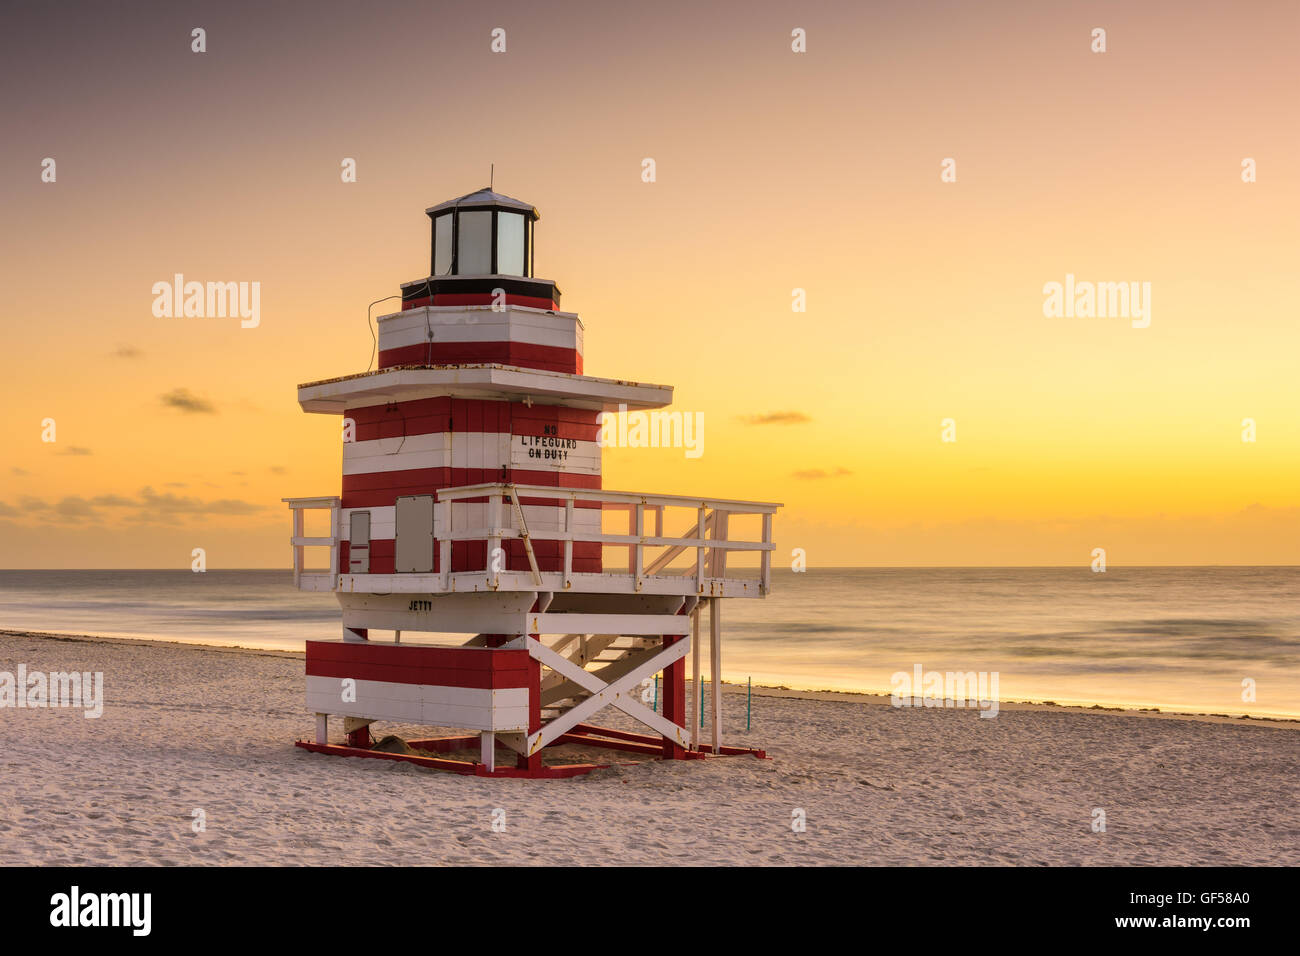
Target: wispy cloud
(776, 418)
(76, 450)
(74, 508)
(113, 501)
(127, 352)
(150, 506)
(184, 400)
(169, 503)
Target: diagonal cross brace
(615, 693)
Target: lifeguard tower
(471, 504)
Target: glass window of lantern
(442, 244)
(510, 243)
(474, 247)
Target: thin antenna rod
(492, 177)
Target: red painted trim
(430, 416)
(444, 405)
(455, 766)
(412, 655)
(482, 298)
(429, 676)
(651, 750)
(580, 735)
(472, 556)
(415, 408)
(733, 751)
(382, 489)
(550, 358)
(445, 744)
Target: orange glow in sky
(775, 171)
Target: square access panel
(414, 533)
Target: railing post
(719, 565)
(334, 545)
(638, 549)
(442, 531)
(765, 558)
(297, 548)
(701, 532)
(568, 540)
(494, 535)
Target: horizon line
(836, 567)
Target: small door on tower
(359, 543)
(414, 531)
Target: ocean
(1200, 640)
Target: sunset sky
(775, 170)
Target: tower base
(586, 735)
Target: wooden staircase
(607, 656)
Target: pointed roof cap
(484, 198)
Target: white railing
(709, 536)
(320, 579)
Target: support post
(322, 728)
(674, 697)
(488, 750)
(697, 705)
(534, 761)
(360, 738)
(715, 670)
(298, 533)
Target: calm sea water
(1173, 638)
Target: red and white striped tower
(472, 504)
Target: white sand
(188, 727)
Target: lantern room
(482, 244)
(482, 234)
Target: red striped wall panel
(521, 354)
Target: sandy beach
(187, 728)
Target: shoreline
(729, 687)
